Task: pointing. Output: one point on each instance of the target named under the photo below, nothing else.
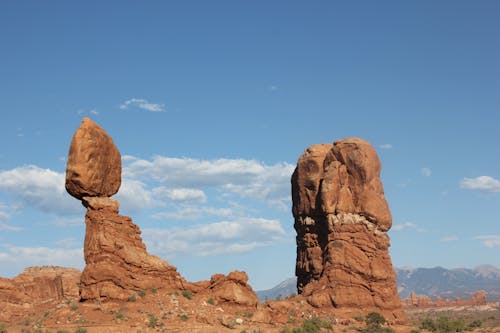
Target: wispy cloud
(226, 237)
(141, 103)
(39, 188)
(403, 226)
(194, 213)
(245, 178)
(272, 87)
(489, 240)
(449, 239)
(481, 183)
(385, 146)
(18, 257)
(426, 172)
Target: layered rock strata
(36, 286)
(342, 219)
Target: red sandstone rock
(233, 288)
(416, 301)
(36, 286)
(94, 163)
(117, 263)
(341, 219)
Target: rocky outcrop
(341, 219)
(117, 263)
(233, 288)
(422, 301)
(36, 286)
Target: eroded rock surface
(94, 164)
(341, 219)
(36, 286)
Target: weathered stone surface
(36, 286)
(94, 163)
(233, 288)
(341, 219)
(117, 263)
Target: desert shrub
(313, 325)
(81, 330)
(142, 293)
(475, 324)
(374, 319)
(444, 325)
(415, 331)
(3, 328)
(73, 306)
(152, 320)
(63, 331)
(211, 300)
(184, 317)
(131, 298)
(359, 318)
(119, 315)
(187, 294)
(154, 290)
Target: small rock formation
(233, 288)
(117, 263)
(342, 219)
(422, 301)
(36, 286)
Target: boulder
(94, 164)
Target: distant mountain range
(432, 282)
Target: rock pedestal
(342, 219)
(117, 263)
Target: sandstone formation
(94, 163)
(117, 263)
(36, 286)
(233, 288)
(341, 219)
(422, 301)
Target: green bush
(211, 300)
(374, 319)
(313, 325)
(81, 330)
(3, 328)
(446, 325)
(152, 320)
(187, 294)
(131, 298)
(184, 317)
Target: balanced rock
(341, 219)
(94, 163)
(116, 261)
(233, 288)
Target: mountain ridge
(434, 281)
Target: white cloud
(272, 87)
(68, 243)
(18, 257)
(135, 196)
(246, 178)
(489, 240)
(481, 183)
(180, 194)
(449, 239)
(143, 104)
(403, 226)
(386, 146)
(426, 172)
(226, 237)
(40, 188)
(193, 213)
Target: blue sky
(212, 102)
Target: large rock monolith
(342, 219)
